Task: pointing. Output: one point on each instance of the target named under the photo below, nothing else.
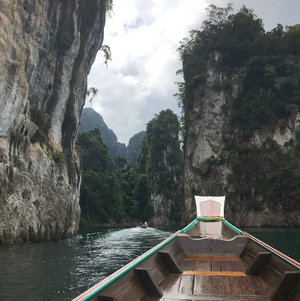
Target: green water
(282, 239)
(62, 270)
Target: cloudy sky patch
(144, 36)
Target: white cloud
(144, 36)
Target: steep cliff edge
(161, 162)
(46, 50)
(242, 122)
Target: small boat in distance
(143, 225)
(210, 259)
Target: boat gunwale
(97, 288)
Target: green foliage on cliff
(42, 121)
(111, 191)
(162, 159)
(100, 195)
(259, 74)
(265, 64)
(143, 209)
(114, 191)
(59, 158)
(266, 176)
(157, 173)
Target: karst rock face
(46, 51)
(213, 153)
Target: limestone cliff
(46, 49)
(242, 118)
(254, 175)
(204, 143)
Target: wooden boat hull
(224, 264)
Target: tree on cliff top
(257, 74)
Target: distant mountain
(134, 146)
(91, 120)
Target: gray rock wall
(204, 143)
(254, 192)
(46, 51)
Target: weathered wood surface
(214, 273)
(212, 258)
(258, 263)
(215, 265)
(194, 269)
(215, 288)
(212, 247)
(170, 262)
(285, 287)
(215, 278)
(148, 283)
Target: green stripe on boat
(210, 219)
(232, 227)
(189, 226)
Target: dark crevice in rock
(52, 45)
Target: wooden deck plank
(215, 288)
(239, 266)
(212, 258)
(214, 273)
(186, 285)
(257, 288)
(250, 285)
(188, 265)
(235, 288)
(203, 286)
(246, 285)
(215, 285)
(215, 266)
(226, 290)
(198, 285)
(226, 266)
(206, 285)
(201, 266)
(264, 288)
(171, 284)
(213, 298)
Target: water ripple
(65, 269)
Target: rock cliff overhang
(46, 51)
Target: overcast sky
(144, 36)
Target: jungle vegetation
(259, 72)
(117, 191)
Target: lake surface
(62, 270)
(284, 240)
